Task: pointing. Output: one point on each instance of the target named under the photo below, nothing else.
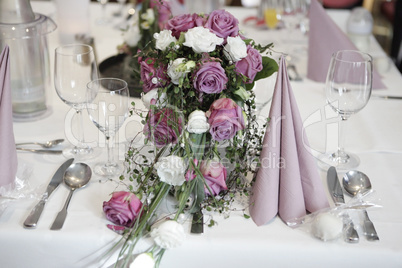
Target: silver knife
(40, 151)
(33, 217)
(336, 192)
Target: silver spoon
(76, 176)
(355, 182)
(48, 144)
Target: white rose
(152, 96)
(169, 234)
(164, 39)
(197, 122)
(178, 69)
(235, 49)
(144, 260)
(201, 40)
(171, 170)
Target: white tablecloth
(373, 134)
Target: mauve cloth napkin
(287, 181)
(8, 153)
(325, 38)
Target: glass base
(343, 161)
(81, 154)
(108, 169)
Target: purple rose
(250, 65)
(163, 126)
(164, 11)
(123, 208)
(222, 23)
(183, 22)
(210, 78)
(214, 174)
(225, 118)
(150, 76)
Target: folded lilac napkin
(287, 181)
(8, 153)
(325, 38)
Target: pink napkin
(325, 38)
(8, 153)
(287, 182)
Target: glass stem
(110, 152)
(342, 156)
(80, 130)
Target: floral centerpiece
(200, 129)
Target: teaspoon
(76, 176)
(355, 182)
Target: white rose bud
(152, 96)
(197, 122)
(164, 39)
(171, 170)
(169, 234)
(201, 40)
(178, 69)
(235, 49)
(242, 93)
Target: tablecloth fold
(287, 181)
(8, 153)
(325, 38)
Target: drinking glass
(289, 13)
(108, 101)
(269, 11)
(348, 89)
(74, 67)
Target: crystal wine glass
(348, 89)
(108, 101)
(74, 67)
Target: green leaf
(270, 66)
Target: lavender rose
(183, 22)
(123, 208)
(215, 176)
(150, 76)
(163, 126)
(250, 65)
(225, 118)
(222, 23)
(210, 78)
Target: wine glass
(74, 67)
(108, 100)
(103, 20)
(348, 89)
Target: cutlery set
(353, 182)
(75, 176)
